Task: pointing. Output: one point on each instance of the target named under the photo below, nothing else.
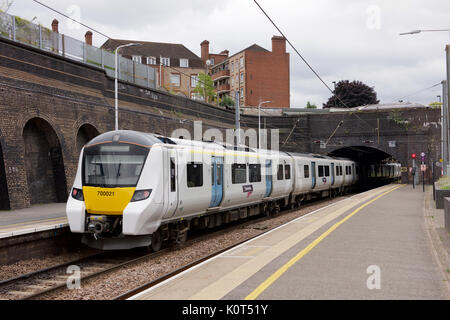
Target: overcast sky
(342, 40)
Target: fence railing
(26, 32)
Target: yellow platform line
(277, 274)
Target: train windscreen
(113, 165)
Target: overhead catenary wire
(70, 18)
(306, 62)
(420, 91)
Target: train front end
(112, 202)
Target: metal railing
(26, 32)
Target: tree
(226, 101)
(435, 105)
(205, 87)
(310, 106)
(353, 94)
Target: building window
(280, 172)
(238, 173)
(194, 80)
(165, 61)
(241, 62)
(232, 66)
(194, 175)
(151, 60)
(175, 79)
(255, 172)
(184, 63)
(212, 61)
(242, 77)
(306, 170)
(232, 81)
(137, 59)
(242, 93)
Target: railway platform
(30, 220)
(380, 244)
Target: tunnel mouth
(362, 154)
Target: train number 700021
(105, 193)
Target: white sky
(342, 40)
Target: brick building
(258, 74)
(177, 67)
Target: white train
(136, 189)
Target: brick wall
(267, 78)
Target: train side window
(255, 172)
(238, 173)
(342, 170)
(306, 170)
(219, 174)
(337, 170)
(327, 171)
(349, 170)
(173, 185)
(287, 171)
(320, 171)
(212, 174)
(194, 175)
(280, 172)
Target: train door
(353, 173)
(313, 174)
(268, 178)
(332, 174)
(172, 201)
(216, 181)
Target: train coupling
(97, 224)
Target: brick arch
(44, 162)
(4, 195)
(85, 133)
(361, 153)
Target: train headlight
(141, 195)
(77, 194)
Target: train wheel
(157, 240)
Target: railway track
(39, 283)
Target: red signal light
(413, 155)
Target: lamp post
(116, 91)
(419, 31)
(446, 98)
(259, 122)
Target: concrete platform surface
(37, 218)
(370, 246)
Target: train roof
(148, 139)
(135, 137)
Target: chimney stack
(205, 50)
(55, 25)
(88, 38)
(226, 52)
(278, 44)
